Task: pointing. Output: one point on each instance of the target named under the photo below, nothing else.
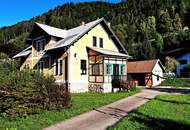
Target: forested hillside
(147, 28)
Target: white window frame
(39, 66)
(59, 66)
(41, 44)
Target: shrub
(176, 82)
(23, 93)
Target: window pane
(108, 69)
(56, 67)
(60, 67)
(94, 41)
(40, 45)
(122, 69)
(38, 66)
(95, 69)
(83, 67)
(41, 66)
(101, 42)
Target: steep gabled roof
(74, 34)
(145, 66)
(57, 32)
(70, 36)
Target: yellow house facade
(87, 57)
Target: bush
(176, 82)
(23, 93)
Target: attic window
(94, 41)
(101, 42)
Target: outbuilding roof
(145, 66)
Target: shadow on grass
(158, 123)
(172, 90)
(173, 101)
(154, 123)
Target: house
(184, 60)
(182, 55)
(146, 73)
(86, 57)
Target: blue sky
(13, 11)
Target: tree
(164, 22)
(177, 22)
(171, 64)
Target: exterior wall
(76, 53)
(107, 87)
(180, 66)
(27, 61)
(79, 49)
(157, 71)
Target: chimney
(83, 23)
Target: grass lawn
(176, 82)
(82, 102)
(168, 112)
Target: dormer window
(40, 45)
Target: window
(101, 42)
(94, 41)
(56, 67)
(122, 69)
(108, 69)
(95, 69)
(183, 62)
(83, 67)
(60, 67)
(26, 67)
(40, 66)
(40, 45)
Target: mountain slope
(146, 28)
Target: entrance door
(116, 71)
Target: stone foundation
(96, 87)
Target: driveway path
(101, 118)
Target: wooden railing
(121, 82)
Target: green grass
(177, 82)
(168, 112)
(81, 103)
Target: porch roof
(25, 52)
(108, 52)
